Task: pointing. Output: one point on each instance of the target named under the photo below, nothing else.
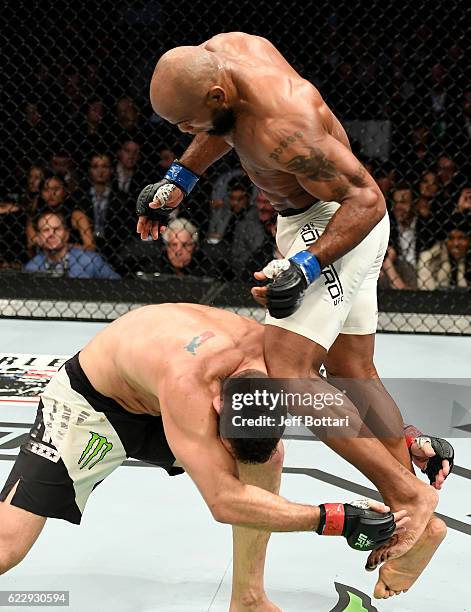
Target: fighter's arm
(203, 151)
(329, 171)
(192, 432)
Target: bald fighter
(148, 386)
(237, 91)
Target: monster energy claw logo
(352, 600)
(97, 446)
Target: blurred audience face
(467, 103)
(458, 243)
(386, 182)
(34, 177)
(126, 112)
(239, 200)
(167, 157)
(61, 163)
(428, 187)
(100, 169)
(32, 113)
(266, 212)
(128, 154)
(52, 234)
(464, 202)
(445, 169)
(95, 112)
(53, 192)
(180, 248)
(402, 207)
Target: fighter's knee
(353, 369)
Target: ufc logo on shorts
(309, 234)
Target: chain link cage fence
(79, 140)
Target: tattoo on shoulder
(275, 154)
(197, 341)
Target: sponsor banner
(24, 376)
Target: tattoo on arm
(317, 167)
(197, 341)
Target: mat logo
(98, 446)
(352, 600)
(310, 234)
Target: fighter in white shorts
(237, 91)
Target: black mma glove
(443, 450)
(176, 176)
(363, 528)
(291, 277)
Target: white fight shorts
(343, 299)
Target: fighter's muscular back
(154, 345)
(277, 97)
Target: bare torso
(132, 356)
(275, 93)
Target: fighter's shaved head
(182, 79)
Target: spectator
(385, 177)
(254, 244)
(461, 132)
(451, 181)
(181, 256)
(54, 198)
(127, 121)
(34, 177)
(166, 158)
(464, 202)
(128, 177)
(91, 134)
(448, 263)
(60, 258)
(409, 234)
(62, 165)
(428, 189)
(112, 210)
(220, 213)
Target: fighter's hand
(289, 279)
(434, 456)
(154, 206)
(420, 458)
(365, 524)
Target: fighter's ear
(216, 96)
(217, 404)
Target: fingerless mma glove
(443, 450)
(363, 528)
(176, 175)
(285, 293)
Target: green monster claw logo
(352, 600)
(96, 444)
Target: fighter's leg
(19, 530)
(350, 366)
(250, 545)
(289, 355)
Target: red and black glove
(363, 528)
(443, 451)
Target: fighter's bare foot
(250, 603)
(420, 511)
(398, 575)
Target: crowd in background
(79, 151)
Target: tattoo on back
(197, 341)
